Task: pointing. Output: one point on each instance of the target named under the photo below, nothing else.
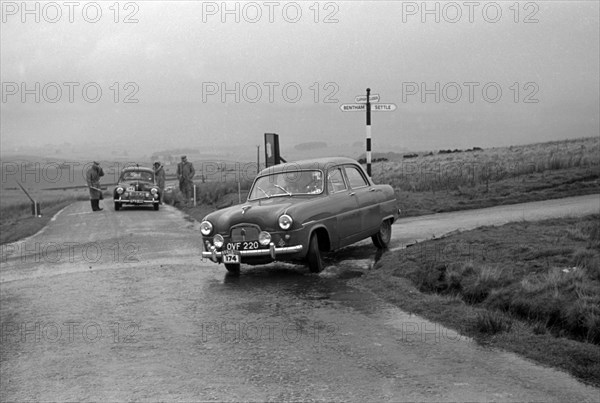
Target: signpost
(363, 103)
(363, 99)
(353, 107)
(363, 107)
(383, 107)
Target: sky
(154, 75)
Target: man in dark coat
(185, 174)
(159, 176)
(92, 176)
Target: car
(137, 186)
(298, 210)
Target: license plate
(231, 256)
(137, 201)
(246, 245)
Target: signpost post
(363, 103)
(369, 131)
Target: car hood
(263, 212)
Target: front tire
(156, 206)
(382, 238)
(233, 268)
(314, 261)
(117, 206)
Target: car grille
(246, 233)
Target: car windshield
(289, 183)
(137, 176)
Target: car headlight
(264, 238)
(154, 191)
(206, 228)
(218, 240)
(119, 190)
(285, 222)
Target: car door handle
(352, 194)
(372, 190)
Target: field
(528, 287)
(474, 179)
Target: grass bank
(433, 183)
(17, 221)
(528, 287)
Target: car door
(367, 197)
(345, 203)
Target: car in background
(137, 186)
(298, 210)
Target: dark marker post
(368, 132)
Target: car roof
(142, 169)
(316, 163)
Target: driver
(316, 184)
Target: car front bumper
(136, 201)
(273, 251)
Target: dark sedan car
(137, 186)
(297, 210)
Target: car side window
(335, 181)
(355, 177)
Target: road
(118, 306)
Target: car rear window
(355, 177)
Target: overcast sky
(307, 59)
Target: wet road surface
(118, 306)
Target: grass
(17, 221)
(528, 287)
(459, 181)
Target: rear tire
(382, 238)
(233, 268)
(117, 206)
(313, 258)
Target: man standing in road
(159, 176)
(92, 176)
(185, 174)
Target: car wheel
(382, 238)
(315, 263)
(155, 206)
(117, 206)
(233, 268)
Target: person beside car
(92, 177)
(159, 176)
(185, 175)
